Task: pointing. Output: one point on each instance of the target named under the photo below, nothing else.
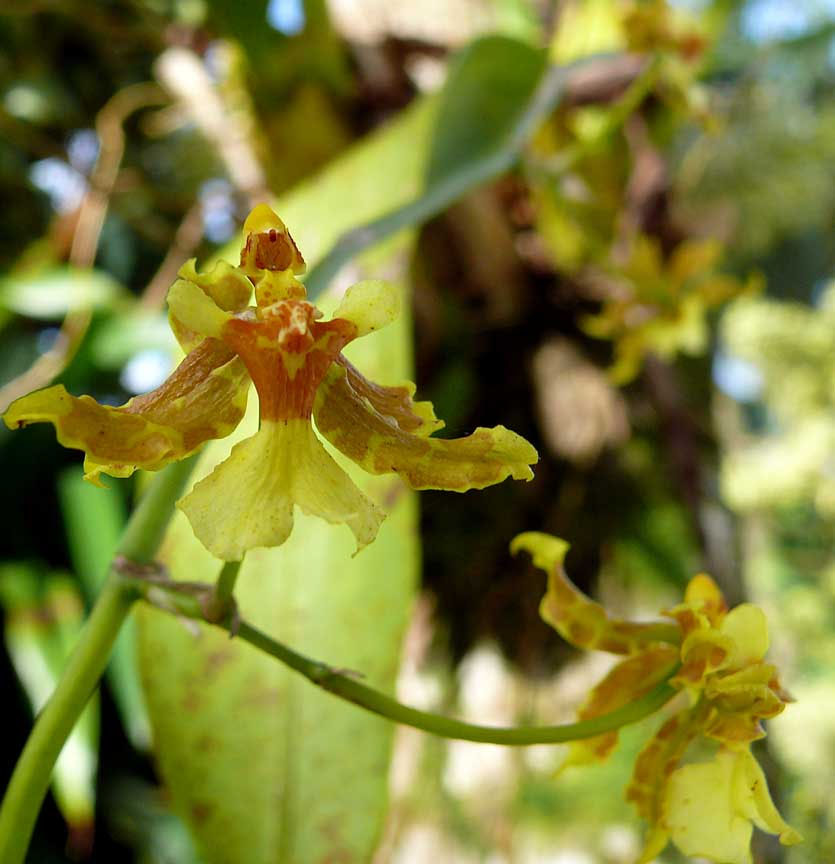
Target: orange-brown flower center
(287, 353)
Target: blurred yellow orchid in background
(294, 360)
(705, 808)
(657, 303)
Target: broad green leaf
(43, 616)
(495, 96)
(51, 294)
(94, 519)
(265, 768)
(487, 96)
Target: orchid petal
(396, 404)
(380, 445)
(576, 617)
(369, 305)
(228, 286)
(753, 800)
(703, 595)
(703, 653)
(203, 398)
(192, 308)
(700, 814)
(747, 626)
(710, 807)
(115, 441)
(247, 501)
(268, 245)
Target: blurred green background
(636, 273)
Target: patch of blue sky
(772, 20)
(740, 379)
(286, 16)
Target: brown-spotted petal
(204, 398)
(653, 767)
(576, 617)
(627, 681)
(396, 404)
(383, 443)
(740, 700)
(703, 653)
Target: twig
(186, 238)
(189, 600)
(110, 128)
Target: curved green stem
(192, 599)
(346, 686)
(33, 771)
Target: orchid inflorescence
(294, 359)
(707, 808)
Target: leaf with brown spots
(281, 772)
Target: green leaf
(264, 767)
(51, 294)
(43, 618)
(94, 519)
(485, 100)
(494, 98)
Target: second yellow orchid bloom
(707, 808)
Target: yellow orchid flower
(660, 304)
(710, 808)
(706, 809)
(295, 361)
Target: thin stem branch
(33, 772)
(221, 605)
(345, 686)
(193, 599)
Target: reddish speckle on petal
(287, 354)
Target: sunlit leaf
(264, 767)
(51, 294)
(43, 616)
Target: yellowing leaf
(265, 768)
